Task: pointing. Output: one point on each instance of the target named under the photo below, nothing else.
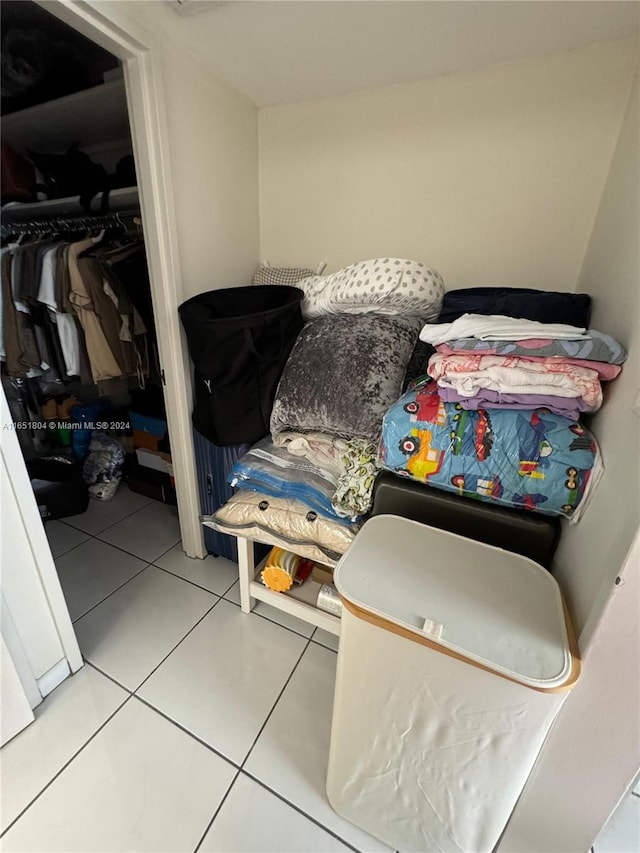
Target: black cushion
(529, 534)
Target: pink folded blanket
(605, 371)
(468, 373)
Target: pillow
(342, 375)
(281, 275)
(392, 286)
(284, 523)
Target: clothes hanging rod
(127, 220)
(120, 199)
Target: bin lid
(496, 609)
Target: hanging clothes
(102, 360)
(76, 308)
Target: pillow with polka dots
(382, 286)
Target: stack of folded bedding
(501, 362)
(308, 485)
(498, 419)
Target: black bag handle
(248, 336)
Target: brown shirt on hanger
(107, 311)
(62, 291)
(104, 364)
(10, 330)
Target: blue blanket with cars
(533, 460)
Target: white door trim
(149, 130)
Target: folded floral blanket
(605, 371)
(468, 374)
(595, 346)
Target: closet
(80, 351)
(515, 168)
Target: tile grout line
(106, 675)
(131, 554)
(186, 731)
(117, 547)
(124, 518)
(108, 595)
(299, 810)
(64, 767)
(147, 566)
(262, 728)
(217, 811)
(269, 619)
(182, 639)
(246, 773)
(186, 580)
(131, 693)
(273, 707)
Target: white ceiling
(283, 51)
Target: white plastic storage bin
(454, 659)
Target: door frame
(149, 132)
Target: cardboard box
(145, 440)
(322, 574)
(156, 460)
(151, 483)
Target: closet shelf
(300, 601)
(120, 199)
(93, 116)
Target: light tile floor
(192, 726)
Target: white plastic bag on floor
(102, 470)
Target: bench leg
(246, 567)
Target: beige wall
(492, 177)
(592, 551)
(213, 137)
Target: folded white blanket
(319, 448)
(494, 327)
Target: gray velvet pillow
(343, 373)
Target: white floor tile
(272, 613)
(92, 571)
(253, 820)
(222, 681)
(134, 629)
(326, 638)
(62, 537)
(622, 833)
(216, 574)
(102, 514)
(292, 752)
(140, 785)
(66, 720)
(147, 533)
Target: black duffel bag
(239, 339)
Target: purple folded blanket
(568, 407)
